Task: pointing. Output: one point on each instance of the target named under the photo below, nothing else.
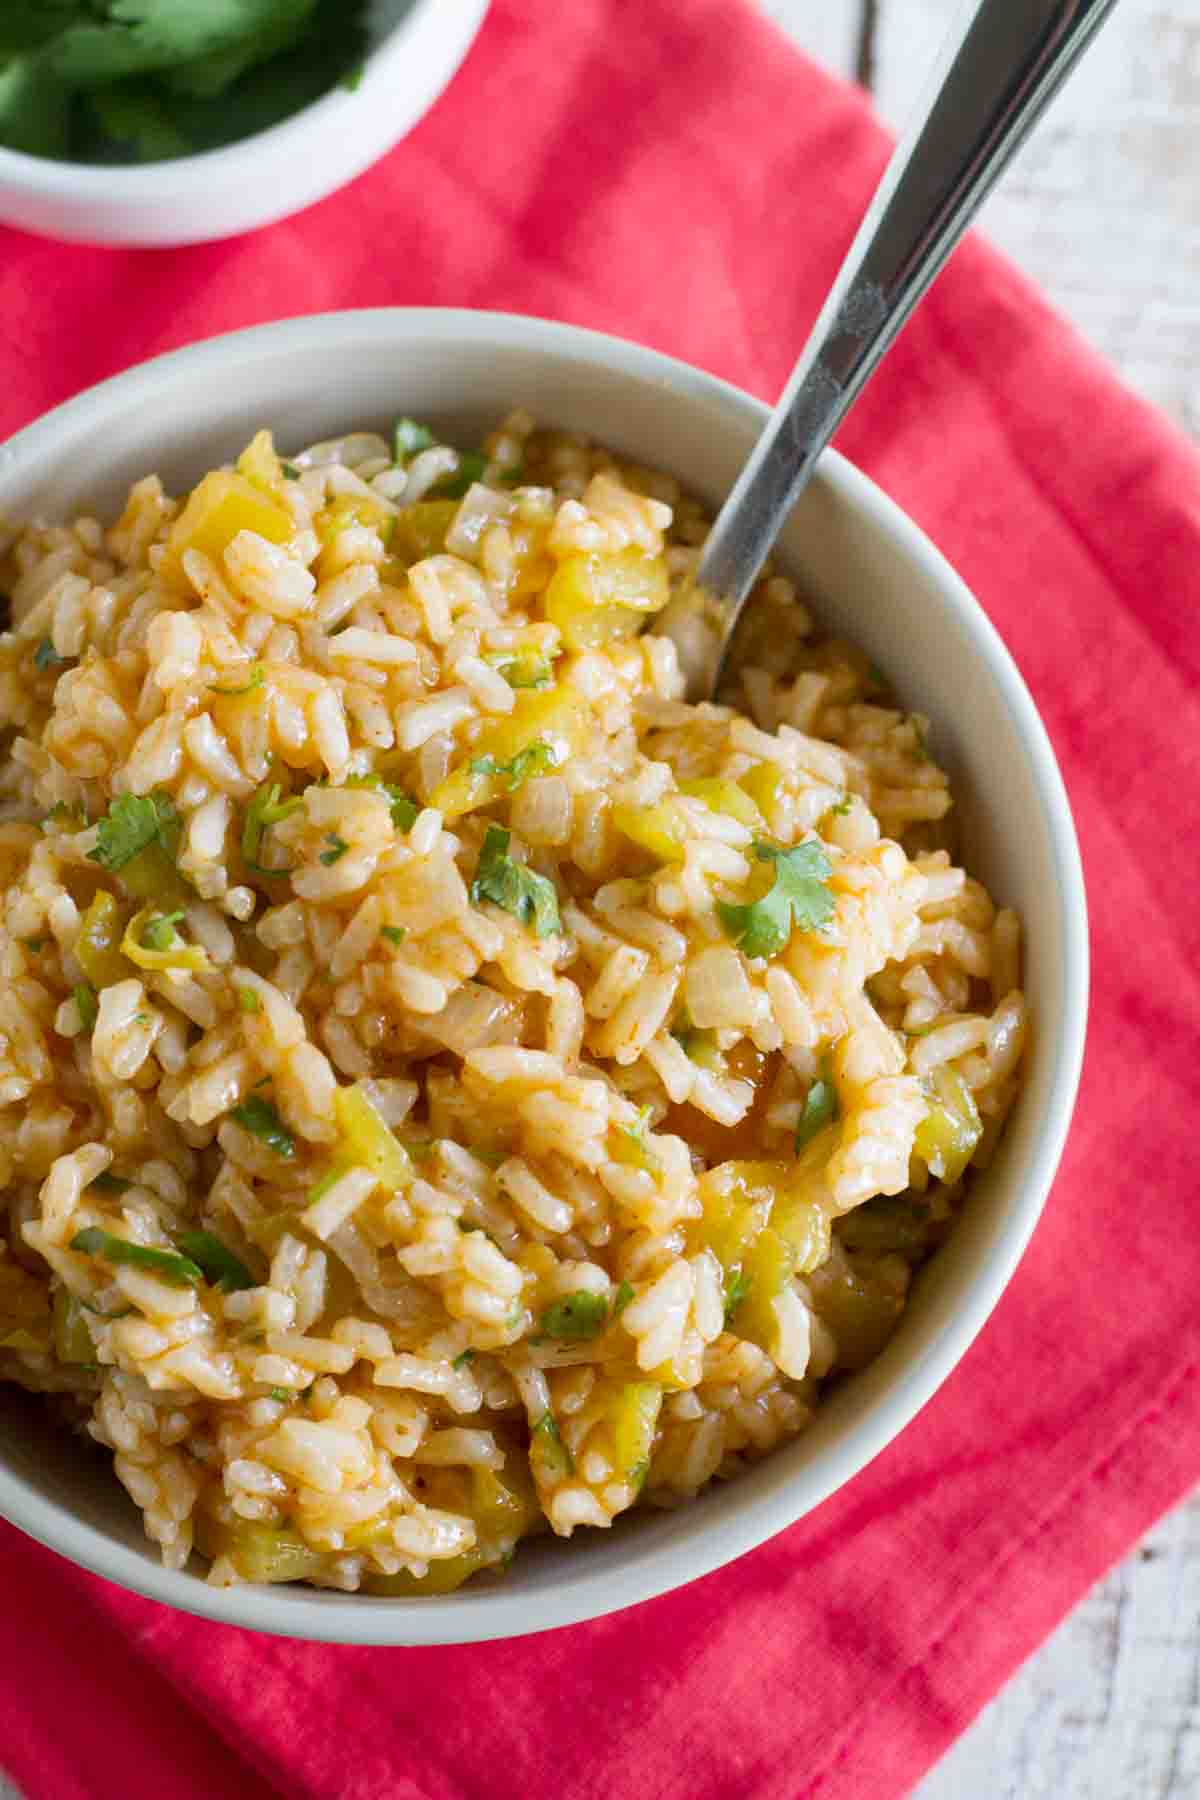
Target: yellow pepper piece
(259, 463)
(725, 797)
(258, 1552)
(189, 957)
(97, 947)
(947, 1136)
(766, 1272)
(761, 783)
(554, 717)
(634, 1412)
(598, 599)
(737, 1198)
(442, 1577)
(367, 1140)
(72, 1339)
(420, 531)
(657, 829)
(223, 504)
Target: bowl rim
(58, 177)
(464, 1617)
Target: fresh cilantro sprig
(797, 899)
(132, 823)
(509, 884)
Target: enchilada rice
(452, 1089)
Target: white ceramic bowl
(874, 577)
(415, 48)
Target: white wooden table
(1102, 209)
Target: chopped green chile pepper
(178, 1270)
(222, 1268)
(949, 1133)
(72, 1339)
(97, 947)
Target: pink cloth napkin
(678, 175)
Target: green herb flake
(393, 933)
(47, 657)
(337, 848)
(522, 669)
(86, 1005)
(797, 897)
(548, 1438)
(405, 809)
(290, 471)
(221, 1267)
(462, 1359)
(471, 465)
(409, 439)
(132, 823)
(178, 1271)
(266, 808)
(575, 1317)
(820, 1107)
(537, 758)
(159, 933)
(843, 807)
(255, 678)
(509, 884)
(259, 1118)
(622, 1298)
(248, 1001)
(283, 1395)
(737, 1286)
(35, 944)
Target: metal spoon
(988, 94)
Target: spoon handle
(991, 90)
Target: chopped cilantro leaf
(47, 657)
(462, 1359)
(575, 1317)
(337, 848)
(255, 678)
(409, 438)
(843, 807)
(290, 471)
(283, 1395)
(537, 758)
(259, 1117)
(528, 897)
(248, 1001)
(221, 1267)
(737, 1286)
(797, 897)
(131, 824)
(393, 933)
(820, 1107)
(179, 1271)
(549, 1448)
(85, 1005)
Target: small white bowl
(415, 48)
(873, 576)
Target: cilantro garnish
(337, 848)
(283, 1395)
(404, 808)
(290, 471)
(797, 897)
(530, 898)
(259, 1118)
(132, 823)
(621, 1299)
(462, 1359)
(248, 1001)
(820, 1107)
(575, 1317)
(257, 676)
(393, 933)
(737, 1286)
(537, 758)
(47, 657)
(409, 438)
(142, 80)
(85, 1005)
(844, 806)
